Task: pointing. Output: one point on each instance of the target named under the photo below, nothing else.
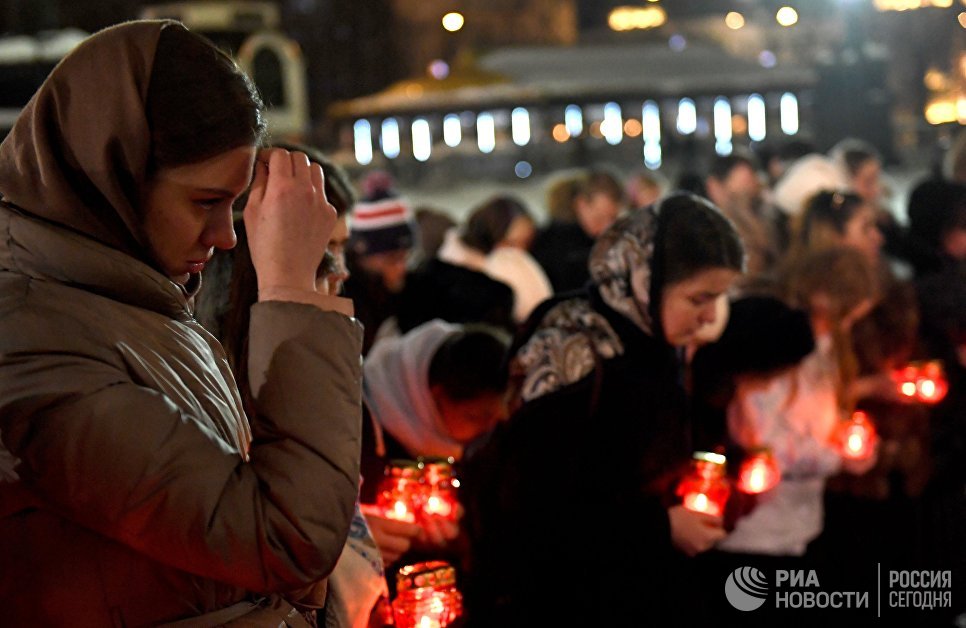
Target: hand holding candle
(439, 488)
(705, 489)
(857, 437)
(422, 492)
(393, 537)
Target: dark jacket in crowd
(454, 294)
(762, 337)
(373, 302)
(565, 504)
(562, 249)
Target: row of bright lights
(642, 18)
(788, 16)
(612, 128)
(785, 16)
(907, 5)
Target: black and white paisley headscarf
(573, 338)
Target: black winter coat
(566, 508)
(562, 250)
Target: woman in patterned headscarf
(571, 490)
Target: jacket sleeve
(126, 462)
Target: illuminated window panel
(362, 137)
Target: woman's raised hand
(288, 221)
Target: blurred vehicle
(25, 61)
(251, 33)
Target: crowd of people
(213, 348)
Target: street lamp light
(453, 21)
(787, 16)
(734, 20)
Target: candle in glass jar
(759, 472)
(705, 488)
(931, 386)
(857, 437)
(922, 381)
(400, 491)
(439, 488)
(905, 379)
(427, 596)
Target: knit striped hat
(382, 225)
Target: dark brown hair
(600, 182)
(693, 236)
(823, 220)
(488, 223)
(722, 166)
(843, 275)
(560, 198)
(199, 103)
(853, 153)
(471, 363)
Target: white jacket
(794, 415)
(514, 267)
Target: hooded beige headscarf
(77, 155)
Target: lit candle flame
(697, 502)
(922, 381)
(428, 622)
(399, 511)
(859, 437)
(436, 505)
(756, 479)
(758, 473)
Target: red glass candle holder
(924, 382)
(400, 491)
(427, 596)
(905, 380)
(439, 488)
(759, 472)
(857, 437)
(705, 488)
(932, 385)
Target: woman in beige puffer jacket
(133, 490)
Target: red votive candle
(400, 492)
(427, 596)
(857, 436)
(705, 488)
(759, 472)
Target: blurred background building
(430, 89)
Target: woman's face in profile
(520, 234)
(187, 210)
(861, 232)
(690, 305)
(867, 180)
(596, 212)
